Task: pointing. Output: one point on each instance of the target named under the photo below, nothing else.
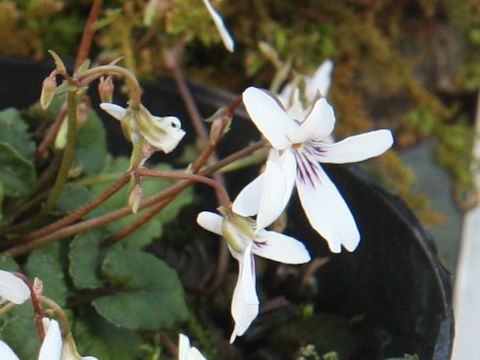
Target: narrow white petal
(244, 301)
(88, 358)
(248, 199)
(356, 148)
(210, 221)
(321, 80)
(325, 208)
(51, 348)
(183, 347)
(217, 19)
(269, 117)
(279, 247)
(195, 354)
(271, 199)
(115, 111)
(12, 288)
(6, 353)
(319, 123)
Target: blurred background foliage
(412, 66)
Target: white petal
(51, 348)
(6, 353)
(321, 80)
(163, 133)
(325, 208)
(244, 301)
(319, 123)
(356, 148)
(116, 111)
(217, 19)
(248, 199)
(279, 247)
(277, 188)
(269, 117)
(210, 221)
(194, 354)
(183, 347)
(12, 288)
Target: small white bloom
(217, 19)
(6, 353)
(244, 239)
(187, 352)
(51, 348)
(300, 145)
(162, 133)
(12, 288)
(315, 86)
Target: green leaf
(148, 294)
(72, 198)
(47, 266)
(16, 172)
(85, 260)
(91, 146)
(19, 332)
(96, 337)
(7, 263)
(14, 131)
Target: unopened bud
(37, 286)
(135, 198)
(105, 89)
(48, 91)
(219, 127)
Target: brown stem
(37, 309)
(79, 213)
(88, 32)
(117, 214)
(168, 344)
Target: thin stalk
(88, 32)
(67, 159)
(117, 214)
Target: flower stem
(59, 311)
(94, 73)
(88, 32)
(67, 159)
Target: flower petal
(279, 247)
(355, 148)
(277, 188)
(324, 206)
(115, 111)
(245, 300)
(51, 348)
(12, 288)
(319, 123)
(195, 354)
(210, 221)
(247, 201)
(217, 19)
(183, 347)
(6, 353)
(320, 81)
(269, 117)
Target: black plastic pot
(394, 278)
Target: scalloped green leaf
(148, 293)
(85, 260)
(15, 132)
(17, 173)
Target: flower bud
(37, 286)
(219, 127)
(135, 198)
(105, 89)
(48, 91)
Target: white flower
(217, 19)
(6, 353)
(244, 239)
(187, 352)
(162, 133)
(300, 145)
(315, 86)
(12, 288)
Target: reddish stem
(88, 32)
